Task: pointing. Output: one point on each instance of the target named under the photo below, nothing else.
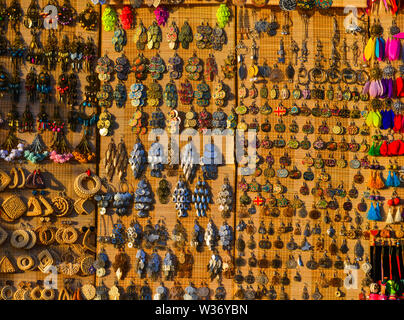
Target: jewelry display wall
(285, 243)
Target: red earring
(396, 201)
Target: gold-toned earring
(87, 239)
(84, 206)
(33, 202)
(45, 260)
(13, 208)
(6, 266)
(14, 173)
(61, 204)
(22, 184)
(48, 208)
(5, 180)
(25, 262)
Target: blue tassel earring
(377, 212)
(374, 213)
(389, 180)
(396, 180)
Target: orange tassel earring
(371, 183)
(379, 184)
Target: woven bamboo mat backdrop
(58, 177)
(61, 176)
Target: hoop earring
(19, 238)
(25, 262)
(46, 234)
(48, 294)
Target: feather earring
(121, 265)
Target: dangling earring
(48, 207)
(121, 265)
(377, 211)
(389, 180)
(379, 184)
(371, 183)
(398, 218)
(396, 181)
(389, 219)
(33, 202)
(371, 213)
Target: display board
(285, 242)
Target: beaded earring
(88, 18)
(109, 18)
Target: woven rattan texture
(58, 177)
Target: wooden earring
(33, 202)
(48, 208)
(33, 237)
(87, 240)
(62, 205)
(84, 206)
(13, 208)
(22, 184)
(5, 180)
(45, 260)
(6, 266)
(14, 173)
